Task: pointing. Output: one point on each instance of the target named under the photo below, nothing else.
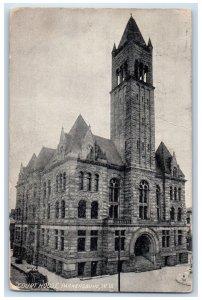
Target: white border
(3, 156)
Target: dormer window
(174, 172)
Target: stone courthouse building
(79, 204)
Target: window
(57, 210)
(81, 268)
(44, 190)
(82, 209)
(57, 183)
(114, 190)
(119, 240)
(93, 268)
(48, 211)
(113, 211)
(63, 209)
(61, 182)
(42, 236)
(175, 172)
(172, 214)
(25, 235)
(93, 240)
(27, 195)
(188, 220)
(64, 181)
(175, 240)
(179, 214)
(171, 193)
(47, 237)
(138, 144)
(61, 240)
(96, 182)
(17, 233)
(179, 194)
(147, 101)
(175, 193)
(56, 239)
(142, 145)
(114, 187)
(89, 178)
(143, 199)
(148, 147)
(33, 211)
(81, 179)
(81, 240)
(26, 211)
(35, 190)
(179, 237)
(94, 210)
(158, 193)
(165, 238)
(49, 188)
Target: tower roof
(132, 32)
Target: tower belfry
(132, 98)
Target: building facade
(87, 202)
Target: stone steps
(143, 264)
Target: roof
(108, 147)
(44, 157)
(77, 133)
(163, 160)
(132, 32)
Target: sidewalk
(162, 280)
(59, 283)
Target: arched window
(94, 210)
(89, 179)
(179, 214)
(175, 193)
(63, 209)
(114, 187)
(158, 194)
(60, 181)
(172, 214)
(96, 182)
(171, 193)
(179, 194)
(114, 190)
(57, 210)
(143, 199)
(64, 181)
(82, 209)
(81, 179)
(49, 187)
(175, 172)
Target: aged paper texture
(100, 150)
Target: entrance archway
(144, 242)
(144, 247)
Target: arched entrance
(144, 243)
(144, 247)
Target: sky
(60, 66)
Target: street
(162, 280)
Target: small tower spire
(114, 50)
(149, 45)
(62, 134)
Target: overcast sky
(60, 66)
